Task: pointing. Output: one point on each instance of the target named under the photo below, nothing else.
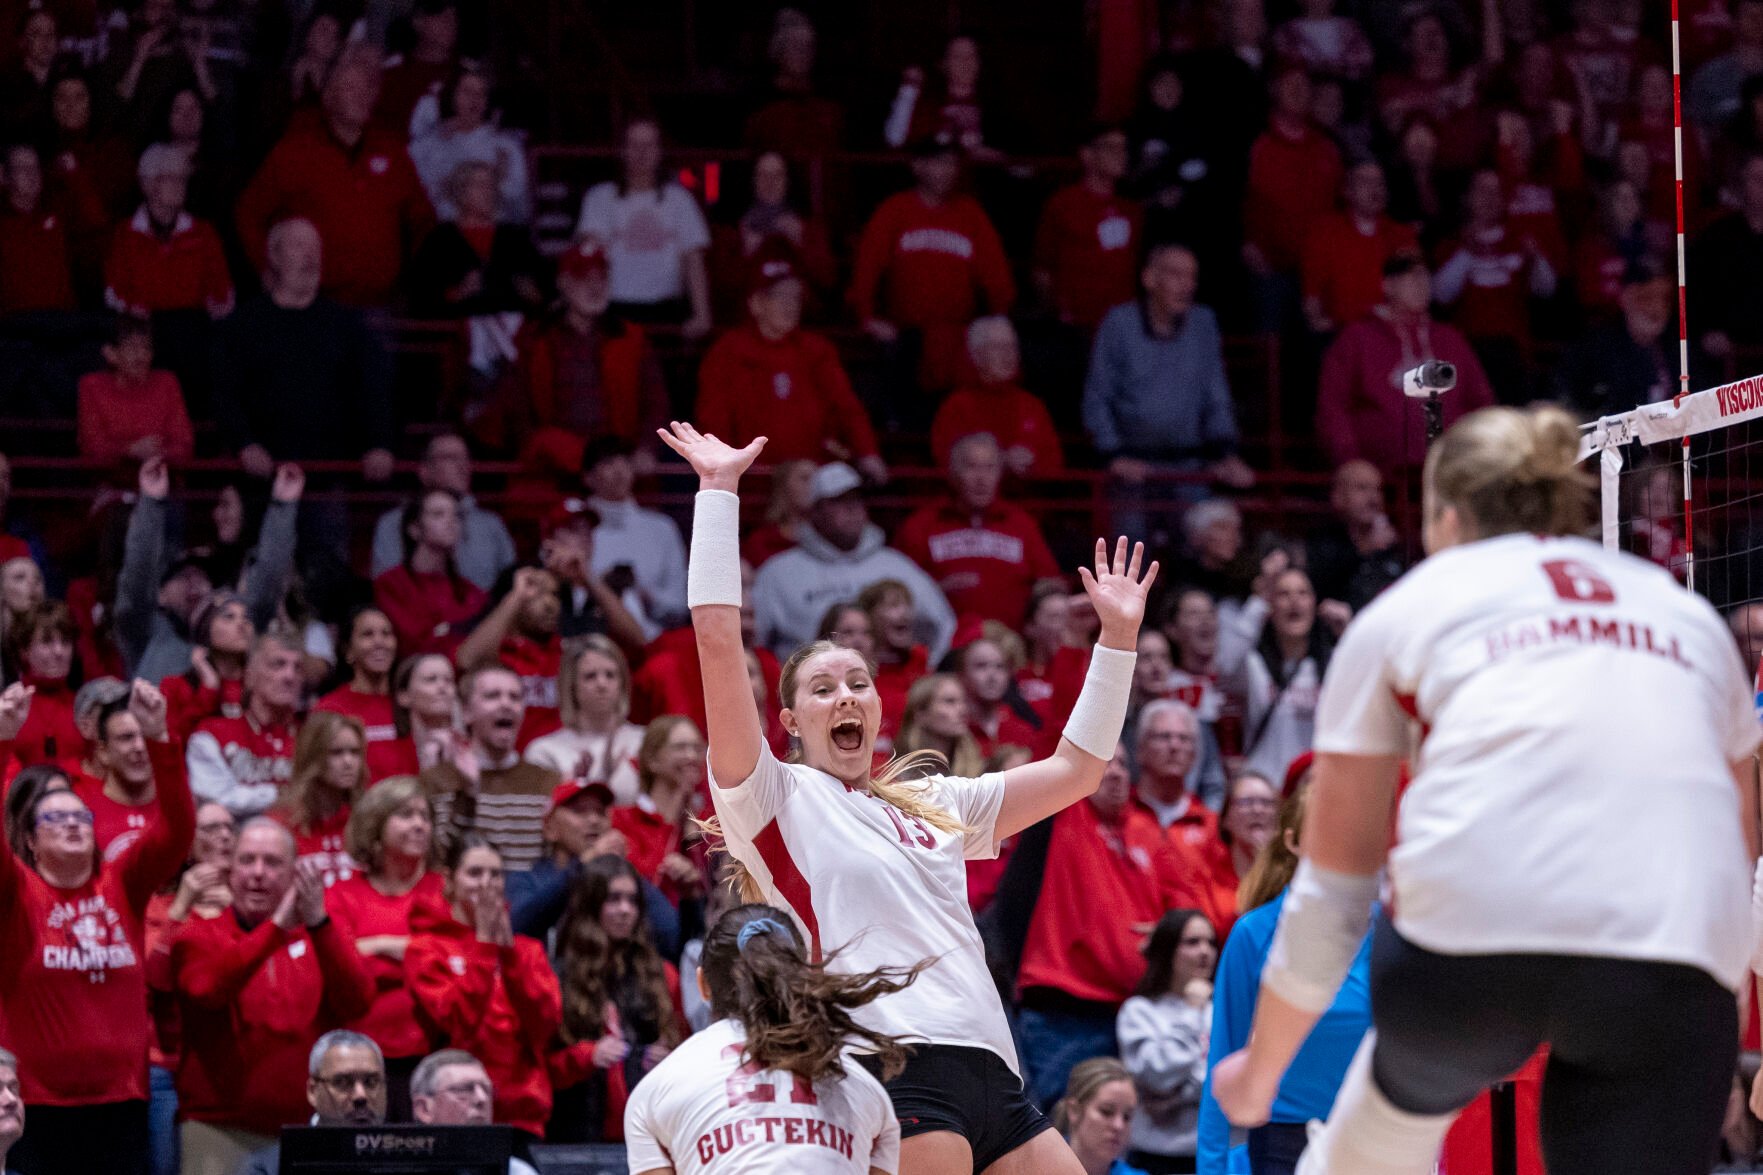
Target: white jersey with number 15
(702, 1112)
(1577, 713)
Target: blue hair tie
(753, 930)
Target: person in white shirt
(1572, 856)
(655, 237)
(452, 1088)
(628, 535)
(872, 868)
(597, 741)
(769, 1087)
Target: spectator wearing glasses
(84, 975)
(345, 1086)
(452, 1088)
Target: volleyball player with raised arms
(1572, 861)
(873, 864)
(767, 1089)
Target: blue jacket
(1309, 1088)
(1159, 399)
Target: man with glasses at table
(452, 1088)
(346, 1086)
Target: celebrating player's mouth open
(871, 865)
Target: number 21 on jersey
(751, 1085)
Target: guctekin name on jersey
(1585, 629)
(790, 1131)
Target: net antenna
(1683, 328)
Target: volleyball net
(1681, 484)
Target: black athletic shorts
(1641, 1054)
(969, 1091)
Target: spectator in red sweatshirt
(72, 976)
(124, 798)
(133, 412)
(1053, 671)
(351, 180)
(583, 374)
(256, 988)
(41, 645)
(391, 835)
(431, 606)
(481, 988)
(996, 404)
(927, 261)
(1343, 257)
(370, 650)
(1097, 874)
(163, 258)
(1247, 821)
(1294, 173)
(984, 553)
(243, 762)
(36, 271)
(1360, 409)
(328, 777)
(986, 676)
(1087, 246)
(770, 378)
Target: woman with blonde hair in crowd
(597, 741)
(935, 719)
(390, 836)
(425, 709)
(329, 775)
(1095, 1116)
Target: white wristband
(713, 572)
(1100, 712)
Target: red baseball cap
(569, 789)
(569, 512)
(1294, 772)
(583, 258)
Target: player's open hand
(718, 464)
(1118, 592)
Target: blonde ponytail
(1511, 471)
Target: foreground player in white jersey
(1571, 865)
(767, 1089)
(874, 866)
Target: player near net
(1572, 858)
(872, 864)
(769, 1084)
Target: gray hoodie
(156, 645)
(795, 588)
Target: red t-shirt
(72, 975)
(986, 563)
(322, 843)
(186, 704)
(115, 825)
(1343, 264)
(375, 713)
(651, 837)
(794, 392)
(1292, 183)
(253, 1003)
(537, 664)
(1089, 244)
(430, 611)
(1052, 689)
(1008, 413)
(361, 912)
(1103, 880)
(49, 734)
